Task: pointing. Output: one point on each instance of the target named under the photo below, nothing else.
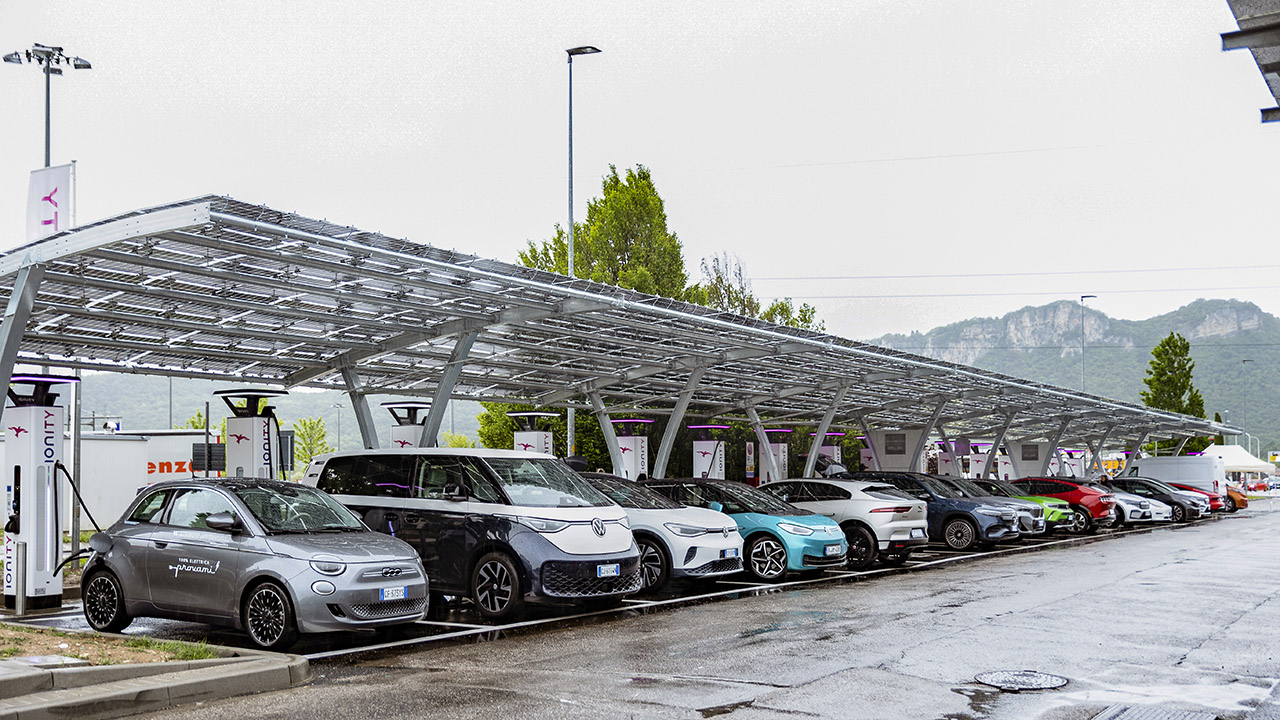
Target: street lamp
(1244, 412)
(570, 439)
(338, 444)
(51, 59)
(1082, 299)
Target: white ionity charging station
(529, 438)
(253, 434)
(410, 416)
(33, 449)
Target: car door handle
(160, 545)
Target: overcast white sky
(835, 139)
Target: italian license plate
(394, 593)
(729, 553)
(833, 550)
(608, 570)
(917, 533)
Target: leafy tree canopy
(624, 241)
(1169, 385)
(725, 286)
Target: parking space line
(442, 623)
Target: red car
(1092, 506)
(1215, 500)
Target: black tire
(766, 558)
(103, 601)
(894, 560)
(1120, 518)
(655, 564)
(1229, 504)
(1082, 522)
(1179, 513)
(268, 617)
(495, 587)
(862, 547)
(960, 534)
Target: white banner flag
(49, 202)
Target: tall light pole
(51, 59)
(1082, 299)
(338, 445)
(570, 435)
(1244, 413)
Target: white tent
(1237, 459)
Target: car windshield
(297, 508)
(630, 495)
(966, 488)
(537, 482)
(1000, 487)
(937, 487)
(740, 498)
(1160, 486)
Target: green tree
(1169, 385)
(455, 440)
(309, 440)
(196, 422)
(725, 287)
(624, 241)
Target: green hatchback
(1056, 512)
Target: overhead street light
(51, 59)
(571, 435)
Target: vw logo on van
(598, 526)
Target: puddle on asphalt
(1238, 696)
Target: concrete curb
(110, 691)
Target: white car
(1159, 511)
(674, 540)
(878, 519)
(1131, 508)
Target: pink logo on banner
(49, 199)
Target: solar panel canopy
(220, 289)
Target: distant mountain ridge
(1043, 343)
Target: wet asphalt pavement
(1181, 618)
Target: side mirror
(454, 492)
(100, 543)
(716, 506)
(221, 521)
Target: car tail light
(895, 509)
(1108, 499)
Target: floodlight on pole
(1082, 299)
(571, 435)
(51, 59)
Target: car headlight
(328, 565)
(990, 512)
(542, 525)
(795, 529)
(685, 530)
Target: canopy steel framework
(1259, 22)
(219, 289)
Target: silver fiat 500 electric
(268, 557)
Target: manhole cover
(1015, 680)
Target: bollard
(20, 580)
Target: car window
(385, 475)
(632, 495)
(787, 491)
(888, 492)
(543, 482)
(193, 506)
(282, 507)
(434, 475)
(826, 491)
(479, 487)
(149, 510)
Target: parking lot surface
(1179, 618)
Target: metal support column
(995, 448)
(914, 457)
(673, 423)
(444, 390)
(360, 404)
(1102, 444)
(1053, 446)
(811, 463)
(1181, 446)
(766, 452)
(951, 451)
(606, 428)
(1133, 452)
(866, 436)
(16, 315)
